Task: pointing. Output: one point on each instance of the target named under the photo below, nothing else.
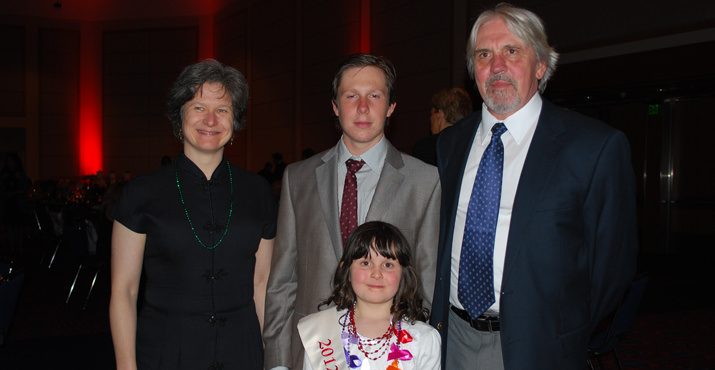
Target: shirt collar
(518, 124)
(187, 166)
(373, 157)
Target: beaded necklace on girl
(374, 348)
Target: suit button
(439, 325)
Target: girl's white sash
(321, 336)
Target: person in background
(448, 106)
(14, 204)
(199, 233)
(538, 224)
(279, 166)
(267, 172)
(307, 153)
(325, 197)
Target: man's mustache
(500, 77)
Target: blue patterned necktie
(476, 275)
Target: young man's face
(363, 107)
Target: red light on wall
(90, 100)
(90, 133)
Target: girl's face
(375, 279)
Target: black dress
(197, 309)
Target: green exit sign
(653, 109)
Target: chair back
(81, 234)
(10, 284)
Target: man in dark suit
(391, 187)
(563, 232)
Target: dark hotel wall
(288, 50)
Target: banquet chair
(10, 285)
(47, 233)
(89, 249)
(605, 341)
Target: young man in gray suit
(316, 204)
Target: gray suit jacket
(308, 245)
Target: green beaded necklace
(230, 211)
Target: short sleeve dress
(196, 310)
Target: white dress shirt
(367, 176)
(517, 139)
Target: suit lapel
(540, 161)
(326, 176)
(387, 186)
(457, 155)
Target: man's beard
(502, 101)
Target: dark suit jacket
(308, 245)
(426, 149)
(572, 247)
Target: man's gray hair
(526, 26)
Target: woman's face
(208, 120)
(375, 279)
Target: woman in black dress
(199, 235)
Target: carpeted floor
(680, 340)
(47, 333)
(673, 330)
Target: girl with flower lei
(378, 309)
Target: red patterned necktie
(348, 209)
